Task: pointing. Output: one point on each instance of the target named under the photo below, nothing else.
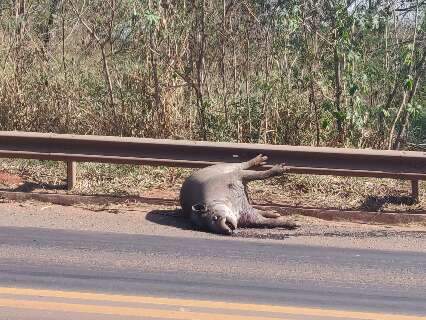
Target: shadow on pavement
(31, 186)
(374, 203)
(173, 218)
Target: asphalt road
(44, 272)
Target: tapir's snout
(216, 217)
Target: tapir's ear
(199, 208)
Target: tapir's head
(215, 217)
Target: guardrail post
(71, 174)
(415, 190)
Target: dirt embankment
(361, 200)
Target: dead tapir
(215, 197)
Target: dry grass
(301, 190)
(96, 178)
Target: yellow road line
(206, 304)
(123, 311)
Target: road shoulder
(157, 219)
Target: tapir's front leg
(255, 219)
(250, 175)
(269, 214)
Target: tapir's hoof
(280, 168)
(260, 160)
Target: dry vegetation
(329, 72)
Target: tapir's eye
(215, 218)
(199, 208)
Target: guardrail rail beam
(406, 165)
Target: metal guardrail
(409, 165)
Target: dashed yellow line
(211, 305)
(123, 311)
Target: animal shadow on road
(173, 218)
